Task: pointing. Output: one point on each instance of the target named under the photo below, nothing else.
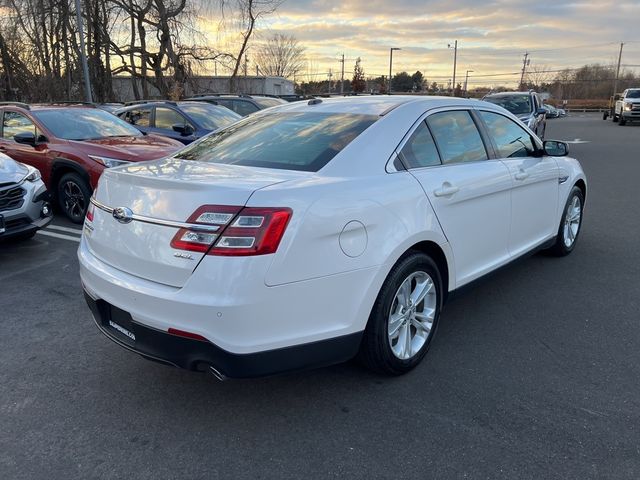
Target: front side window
(420, 150)
(457, 137)
(510, 138)
(14, 123)
(166, 118)
(304, 141)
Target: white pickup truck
(627, 106)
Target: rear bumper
(202, 355)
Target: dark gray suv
(527, 106)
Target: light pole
(466, 79)
(455, 62)
(390, 64)
(83, 55)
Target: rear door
(534, 197)
(469, 192)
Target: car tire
(570, 224)
(73, 195)
(401, 329)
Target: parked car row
(72, 145)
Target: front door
(469, 193)
(534, 196)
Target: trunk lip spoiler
(158, 221)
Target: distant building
(252, 85)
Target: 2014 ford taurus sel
(315, 232)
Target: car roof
(505, 94)
(375, 105)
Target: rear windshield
(516, 104)
(304, 141)
(208, 116)
(84, 124)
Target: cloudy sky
(492, 35)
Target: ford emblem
(123, 214)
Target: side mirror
(25, 138)
(541, 111)
(554, 148)
(184, 130)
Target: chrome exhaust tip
(217, 373)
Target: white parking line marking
(77, 231)
(59, 235)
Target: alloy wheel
(412, 314)
(73, 198)
(572, 222)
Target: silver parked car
(24, 200)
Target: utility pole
(525, 61)
(390, 64)
(330, 76)
(342, 76)
(246, 64)
(83, 56)
(466, 80)
(455, 64)
(615, 83)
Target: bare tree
(281, 56)
(249, 11)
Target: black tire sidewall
(84, 188)
(377, 327)
(561, 248)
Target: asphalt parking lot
(534, 373)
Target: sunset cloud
(492, 35)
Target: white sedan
(310, 233)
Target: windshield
(84, 124)
(516, 104)
(304, 141)
(633, 94)
(268, 102)
(210, 117)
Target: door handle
(521, 175)
(446, 190)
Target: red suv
(72, 145)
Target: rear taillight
(240, 232)
(216, 217)
(90, 212)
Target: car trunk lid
(162, 195)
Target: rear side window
(166, 118)
(292, 141)
(139, 117)
(457, 137)
(14, 123)
(511, 139)
(420, 150)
